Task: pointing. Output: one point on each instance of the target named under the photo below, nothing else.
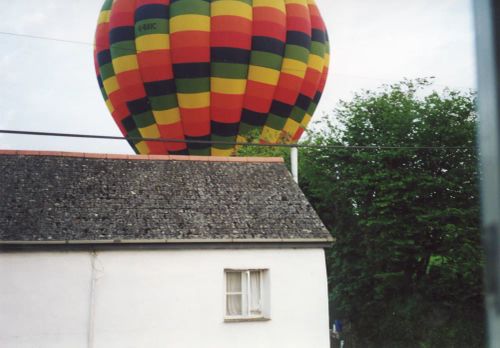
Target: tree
(396, 183)
(263, 151)
(406, 267)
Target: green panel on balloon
(267, 60)
(229, 70)
(196, 85)
(223, 139)
(144, 120)
(165, 102)
(276, 122)
(189, 7)
(151, 26)
(123, 48)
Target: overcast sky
(51, 86)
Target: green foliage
(406, 267)
(263, 151)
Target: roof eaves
(163, 244)
(170, 241)
(143, 157)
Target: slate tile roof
(72, 196)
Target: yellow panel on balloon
(294, 67)
(194, 100)
(298, 2)
(270, 135)
(142, 147)
(189, 22)
(110, 106)
(263, 75)
(291, 127)
(277, 4)
(327, 59)
(231, 8)
(222, 152)
(166, 117)
(153, 42)
(316, 62)
(103, 17)
(306, 120)
(241, 139)
(111, 85)
(150, 131)
(228, 86)
(125, 63)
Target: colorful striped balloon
(214, 70)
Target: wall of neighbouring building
(160, 298)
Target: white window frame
(264, 296)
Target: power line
(134, 51)
(47, 38)
(230, 143)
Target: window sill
(245, 319)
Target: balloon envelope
(220, 70)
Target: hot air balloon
(218, 70)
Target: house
(158, 251)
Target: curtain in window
(234, 293)
(255, 295)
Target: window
(246, 294)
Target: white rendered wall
(163, 298)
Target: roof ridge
(143, 157)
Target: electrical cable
(47, 38)
(228, 143)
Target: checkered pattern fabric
(210, 70)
